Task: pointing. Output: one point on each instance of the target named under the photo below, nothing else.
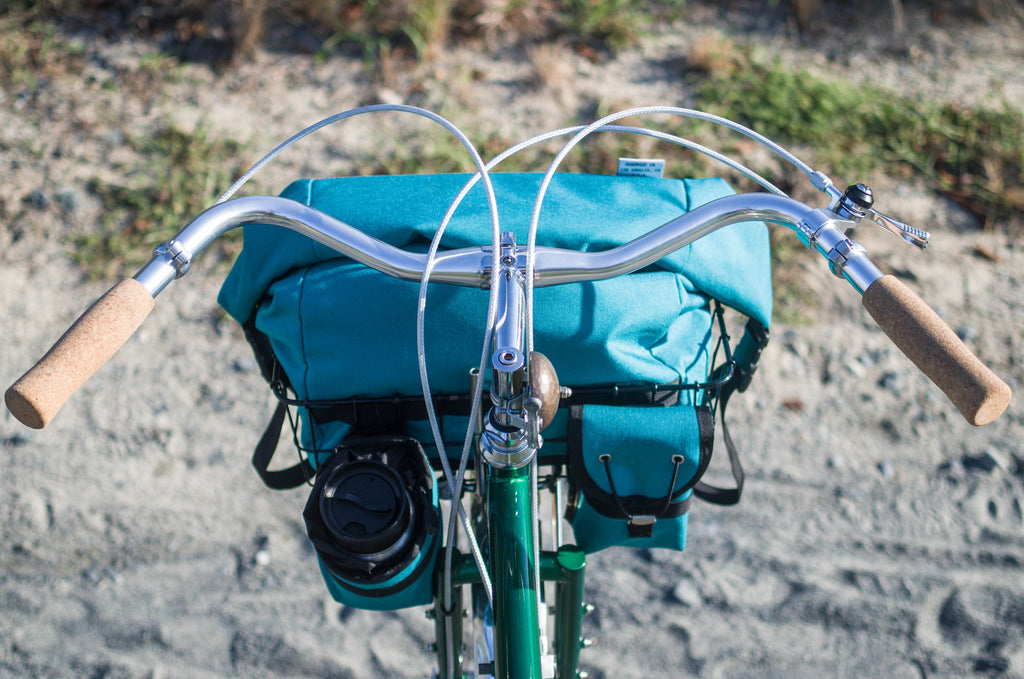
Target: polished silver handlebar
(918, 331)
(820, 229)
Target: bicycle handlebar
(917, 330)
(466, 266)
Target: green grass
(32, 50)
(179, 175)
(975, 156)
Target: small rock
(244, 365)
(389, 96)
(886, 469)
(968, 333)
(18, 439)
(891, 430)
(38, 199)
(68, 199)
(782, 475)
(827, 375)
(954, 469)
(261, 555)
(988, 461)
(686, 594)
(856, 368)
(892, 381)
(795, 343)
(867, 359)
(795, 405)
(924, 415)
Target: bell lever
(857, 204)
(913, 235)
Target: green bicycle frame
(511, 529)
(514, 574)
(512, 524)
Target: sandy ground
(879, 536)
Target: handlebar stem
(505, 441)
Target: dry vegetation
(974, 156)
(236, 27)
(233, 28)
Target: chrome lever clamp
(179, 257)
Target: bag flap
(643, 447)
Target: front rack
(378, 415)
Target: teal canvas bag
(637, 349)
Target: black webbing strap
(384, 414)
(381, 412)
(297, 474)
(282, 479)
(714, 494)
(747, 355)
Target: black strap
(714, 494)
(282, 479)
(384, 413)
(300, 473)
(748, 354)
(388, 415)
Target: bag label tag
(641, 167)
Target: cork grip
(934, 348)
(85, 347)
